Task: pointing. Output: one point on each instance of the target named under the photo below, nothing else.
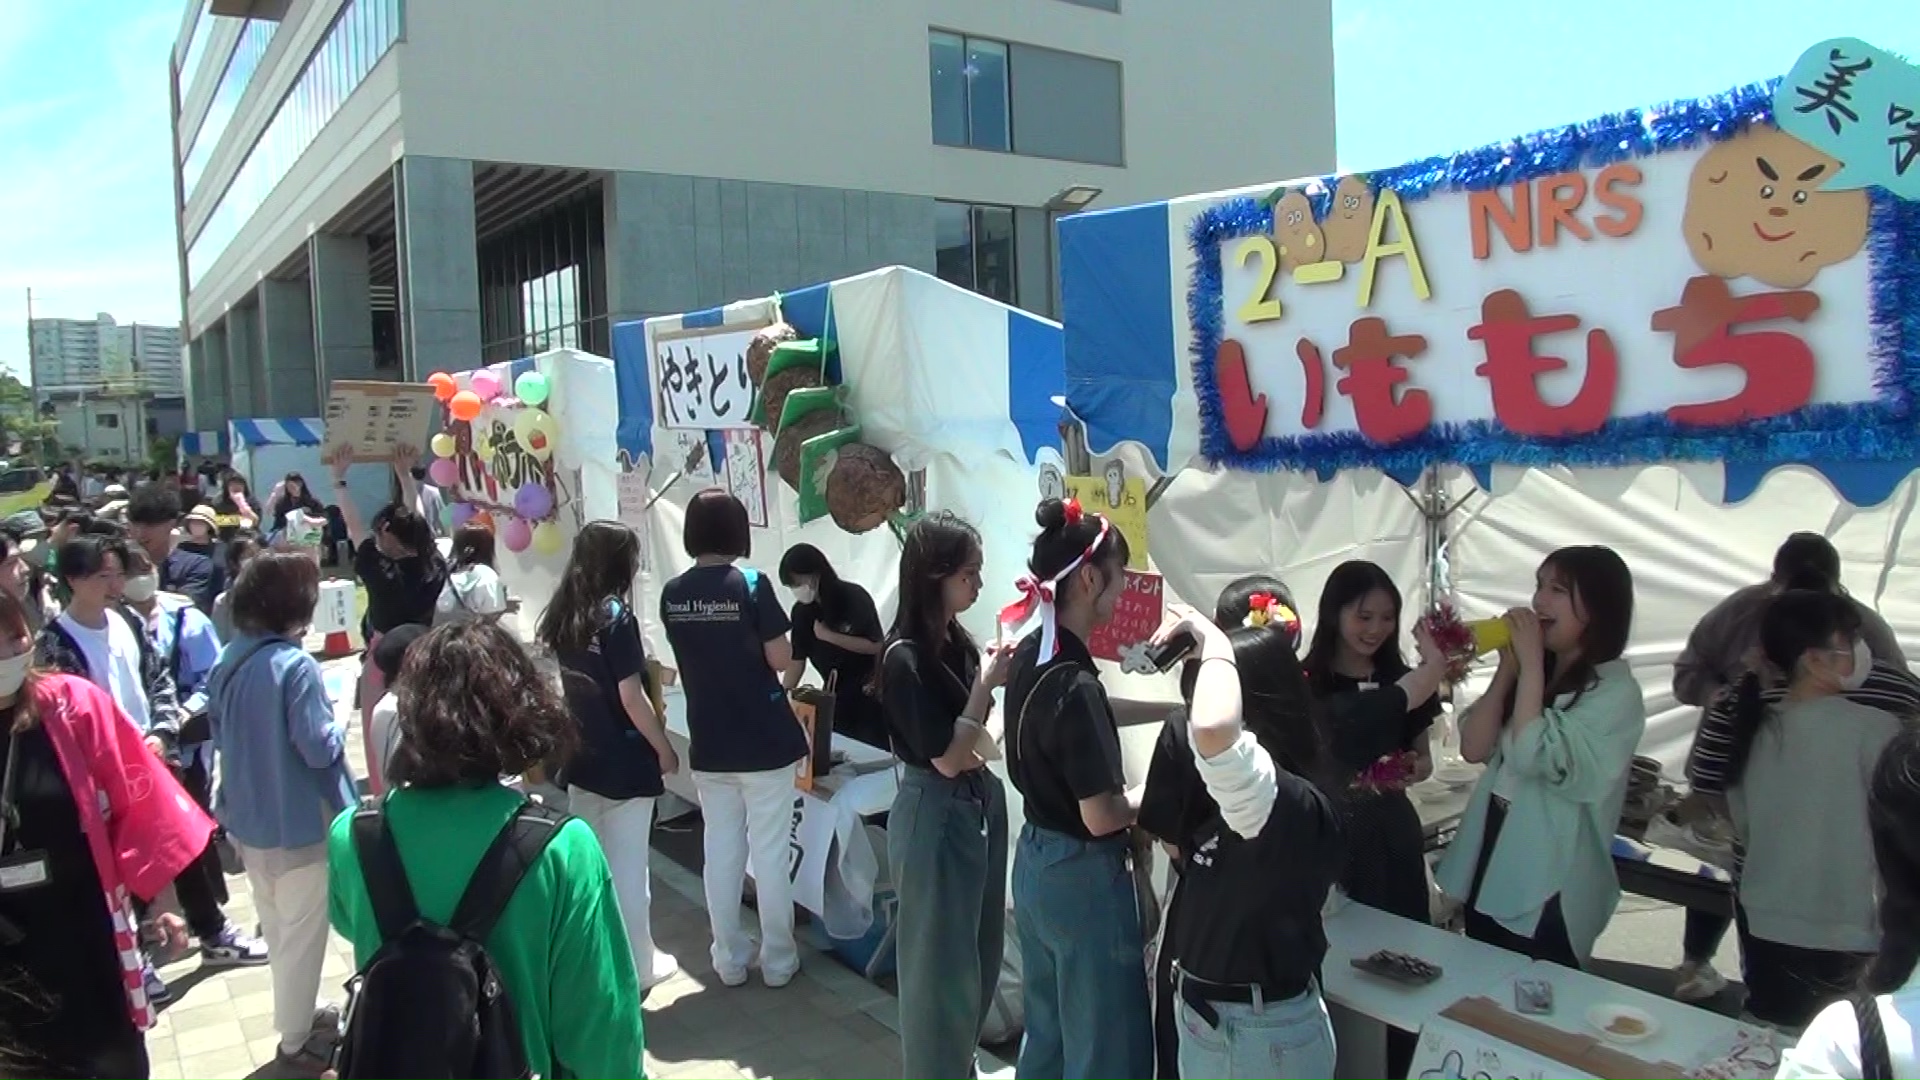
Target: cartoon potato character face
(1350, 221)
(1755, 208)
(1295, 232)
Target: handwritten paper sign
(1453, 1051)
(1121, 500)
(700, 379)
(1861, 105)
(1136, 615)
(746, 473)
(677, 451)
(633, 492)
(375, 417)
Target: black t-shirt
(855, 616)
(193, 574)
(718, 620)
(1249, 909)
(1370, 719)
(1062, 742)
(923, 695)
(614, 760)
(399, 591)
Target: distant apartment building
(377, 189)
(105, 382)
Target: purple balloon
(462, 513)
(533, 501)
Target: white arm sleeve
(1241, 779)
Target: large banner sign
(1735, 277)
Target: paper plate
(1622, 1024)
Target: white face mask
(1862, 666)
(13, 672)
(141, 587)
(805, 594)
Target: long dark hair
(606, 556)
(472, 546)
(1349, 584)
(936, 547)
(1602, 590)
(1061, 541)
(805, 560)
(1807, 560)
(405, 524)
(1893, 812)
(1795, 623)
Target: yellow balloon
(534, 430)
(483, 447)
(547, 539)
(442, 445)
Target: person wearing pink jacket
(90, 820)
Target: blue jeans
(1083, 960)
(947, 847)
(1290, 1038)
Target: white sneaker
(732, 978)
(664, 967)
(777, 980)
(1696, 980)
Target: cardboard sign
(633, 494)
(1120, 499)
(700, 379)
(1136, 616)
(375, 417)
(746, 473)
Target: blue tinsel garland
(1881, 430)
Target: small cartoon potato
(1350, 222)
(1298, 237)
(1755, 208)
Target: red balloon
(443, 385)
(466, 405)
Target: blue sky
(86, 193)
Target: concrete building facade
(98, 353)
(384, 188)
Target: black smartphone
(1173, 650)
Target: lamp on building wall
(1068, 200)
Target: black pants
(1549, 941)
(1166, 1025)
(202, 886)
(1788, 985)
(1704, 932)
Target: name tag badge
(24, 870)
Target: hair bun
(1051, 514)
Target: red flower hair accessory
(1072, 507)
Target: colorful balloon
(547, 539)
(532, 388)
(465, 405)
(485, 384)
(444, 472)
(460, 513)
(443, 385)
(533, 501)
(442, 444)
(516, 534)
(536, 432)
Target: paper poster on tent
(686, 452)
(1121, 499)
(700, 378)
(375, 417)
(633, 494)
(1136, 617)
(746, 473)
(1721, 279)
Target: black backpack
(431, 1003)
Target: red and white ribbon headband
(1038, 594)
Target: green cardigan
(1568, 773)
(561, 946)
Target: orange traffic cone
(338, 644)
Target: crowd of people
(167, 723)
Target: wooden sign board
(375, 417)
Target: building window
(106, 420)
(542, 282)
(975, 248)
(970, 92)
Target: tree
(20, 423)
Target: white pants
(749, 815)
(290, 896)
(625, 830)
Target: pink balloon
(517, 534)
(444, 472)
(485, 384)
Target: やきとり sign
(1732, 277)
